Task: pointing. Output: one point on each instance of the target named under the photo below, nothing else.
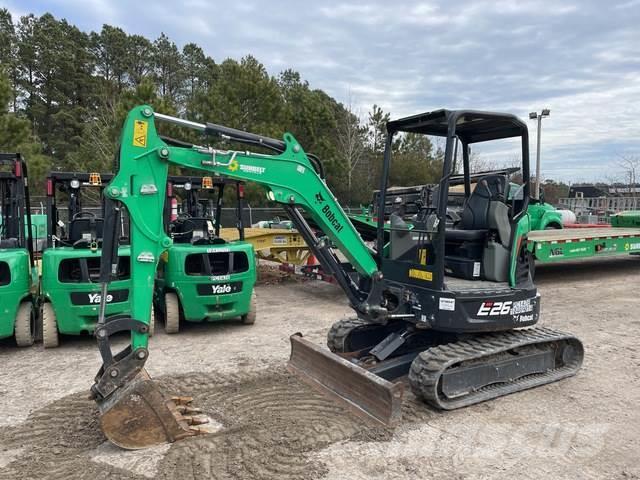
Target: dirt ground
(272, 426)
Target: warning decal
(140, 133)
(420, 274)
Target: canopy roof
(471, 126)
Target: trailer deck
(567, 244)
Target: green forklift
(70, 296)
(18, 273)
(202, 277)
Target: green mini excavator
(443, 308)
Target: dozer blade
(352, 386)
(139, 415)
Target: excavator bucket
(140, 415)
(352, 386)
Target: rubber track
(340, 330)
(428, 367)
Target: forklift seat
(193, 230)
(9, 243)
(80, 228)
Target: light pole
(533, 116)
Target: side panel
(76, 304)
(208, 298)
(16, 290)
(522, 229)
(552, 251)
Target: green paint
(17, 290)
(629, 219)
(544, 216)
(76, 319)
(196, 306)
(547, 251)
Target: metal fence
(599, 206)
(250, 215)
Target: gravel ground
(272, 426)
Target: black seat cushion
(80, 226)
(9, 243)
(466, 235)
(184, 229)
(475, 215)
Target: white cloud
(580, 59)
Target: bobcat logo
(319, 198)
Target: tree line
(64, 94)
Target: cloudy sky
(580, 59)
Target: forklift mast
(15, 203)
(203, 197)
(71, 184)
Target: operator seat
(83, 230)
(470, 250)
(195, 230)
(9, 243)
(473, 225)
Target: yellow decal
(420, 274)
(233, 166)
(422, 254)
(140, 133)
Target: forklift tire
(24, 328)
(250, 318)
(172, 313)
(49, 327)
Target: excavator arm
(290, 177)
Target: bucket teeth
(186, 410)
(195, 419)
(182, 400)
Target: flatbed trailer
(570, 243)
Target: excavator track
(463, 373)
(340, 331)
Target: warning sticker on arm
(140, 128)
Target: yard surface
(272, 426)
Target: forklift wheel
(250, 318)
(172, 313)
(25, 324)
(49, 327)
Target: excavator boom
(291, 178)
